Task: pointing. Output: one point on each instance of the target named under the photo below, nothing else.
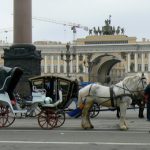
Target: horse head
(136, 83)
(142, 81)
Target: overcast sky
(132, 15)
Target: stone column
(71, 57)
(77, 63)
(22, 21)
(58, 64)
(65, 65)
(148, 62)
(143, 62)
(129, 61)
(45, 64)
(23, 53)
(135, 62)
(52, 64)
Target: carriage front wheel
(47, 119)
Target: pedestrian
(147, 98)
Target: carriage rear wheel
(60, 118)
(3, 115)
(47, 119)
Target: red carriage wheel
(3, 116)
(47, 119)
(11, 117)
(60, 118)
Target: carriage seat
(5, 84)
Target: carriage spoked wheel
(60, 118)
(47, 119)
(3, 116)
(94, 111)
(11, 117)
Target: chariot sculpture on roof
(107, 29)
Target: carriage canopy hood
(9, 77)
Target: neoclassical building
(97, 62)
(105, 57)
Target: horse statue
(118, 95)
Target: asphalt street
(25, 134)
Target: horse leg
(123, 108)
(118, 112)
(86, 123)
(141, 109)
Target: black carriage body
(52, 85)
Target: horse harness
(112, 95)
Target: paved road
(25, 134)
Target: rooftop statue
(107, 29)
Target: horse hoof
(92, 127)
(87, 127)
(123, 128)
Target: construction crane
(72, 25)
(5, 30)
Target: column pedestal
(26, 57)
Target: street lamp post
(68, 57)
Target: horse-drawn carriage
(49, 93)
(54, 94)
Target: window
(132, 56)
(146, 55)
(139, 67)
(61, 69)
(81, 68)
(139, 55)
(132, 67)
(48, 69)
(55, 57)
(42, 69)
(38, 84)
(74, 68)
(55, 68)
(146, 67)
(81, 57)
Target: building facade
(94, 62)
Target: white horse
(120, 95)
